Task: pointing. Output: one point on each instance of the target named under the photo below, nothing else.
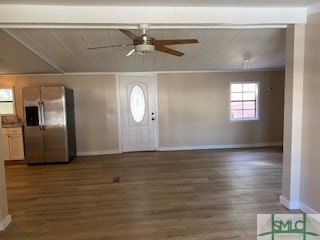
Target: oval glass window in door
(137, 103)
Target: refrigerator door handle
(39, 115)
(42, 115)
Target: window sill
(244, 120)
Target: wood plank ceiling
(46, 49)
(64, 50)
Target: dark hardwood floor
(210, 194)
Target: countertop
(12, 125)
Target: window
(244, 101)
(137, 103)
(7, 106)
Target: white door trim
(156, 102)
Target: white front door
(138, 116)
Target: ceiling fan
(145, 44)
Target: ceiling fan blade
(175, 41)
(131, 52)
(121, 45)
(164, 49)
(129, 34)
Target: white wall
(194, 110)
(310, 167)
(95, 107)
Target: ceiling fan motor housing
(144, 44)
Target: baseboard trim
(181, 148)
(301, 206)
(5, 223)
(308, 209)
(205, 147)
(290, 205)
(96, 153)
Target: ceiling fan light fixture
(247, 64)
(144, 48)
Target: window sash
(7, 107)
(244, 111)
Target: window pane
(137, 103)
(6, 94)
(236, 114)
(236, 105)
(236, 87)
(249, 113)
(249, 105)
(243, 101)
(249, 87)
(6, 108)
(236, 96)
(249, 96)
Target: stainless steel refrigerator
(49, 127)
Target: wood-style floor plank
(189, 195)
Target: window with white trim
(7, 105)
(244, 101)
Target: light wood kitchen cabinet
(12, 143)
(5, 147)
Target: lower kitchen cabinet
(5, 147)
(12, 144)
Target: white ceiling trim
(101, 15)
(148, 72)
(159, 72)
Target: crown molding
(314, 9)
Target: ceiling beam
(18, 16)
(132, 27)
